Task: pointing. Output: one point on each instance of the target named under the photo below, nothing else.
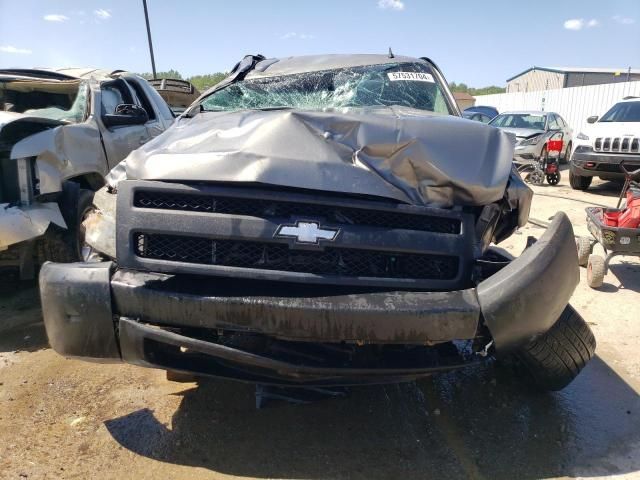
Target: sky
(478, 43)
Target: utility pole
(146, 17)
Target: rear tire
(578, 182)
(555, 358)
(583, 244)
(596, 270)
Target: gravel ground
(69, 419)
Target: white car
(605, 143)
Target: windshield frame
(440, 81)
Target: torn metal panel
(18, 224)
(393, 152)
(100, 224)
(63, 152)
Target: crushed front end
(206, 281)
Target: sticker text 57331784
(410, 77)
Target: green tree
(462, 87)
(168, 74)
(202, 82)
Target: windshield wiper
(266, 109)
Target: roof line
(32, 72)
(544, 69)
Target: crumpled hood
(391, 152)
(6, 117)
(25, 125)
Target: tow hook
(485, 351)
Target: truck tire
(578, 182)
(583, 244)
(555, 358)
(65, 245)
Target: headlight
(582, 136)
(531, 141)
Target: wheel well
(89, 181)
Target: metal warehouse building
(551, 78)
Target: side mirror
(592, 119)
(126, 114)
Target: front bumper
(524, 153)
(96, 312)
(587, 163)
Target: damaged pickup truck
(61, 131)
(321, 220)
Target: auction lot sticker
(411, 76)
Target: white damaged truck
(61, 131)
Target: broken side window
(55, 100)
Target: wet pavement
(69, 419)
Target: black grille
(272, 256)
(265, 208)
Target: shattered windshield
(61, 100)
(407, 84)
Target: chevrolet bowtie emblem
(307, 232)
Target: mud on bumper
(97, 312)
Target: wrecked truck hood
(25, 125)
(6, 117)
(392, 152)
(9, 117)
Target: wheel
(583, 244)
(579, 182)
(567, 153)
(596, 270)
(555, 358)
(68, 245)
(553, 178)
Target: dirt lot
(68, 419)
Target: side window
(111, 96)
(553, 124)
(142, 99)
(561, 121)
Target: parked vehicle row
(599, 149)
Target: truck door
(119, 140)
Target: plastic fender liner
(526, 297)
(77, 310)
